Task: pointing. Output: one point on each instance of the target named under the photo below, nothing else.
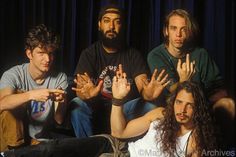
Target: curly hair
(43, 37)
(204, 133)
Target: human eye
(177, 102)
(173, 28)
(106, 20)
(184, 29)
(118, 21)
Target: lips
(181, 116)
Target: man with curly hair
(32, 96)
(185, 130)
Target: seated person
(185, 130)
(183, 60)
(97, 66)
(32, 96)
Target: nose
(111, 25)
(47, 57)
(179, 33)
(183, 108)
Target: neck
(177, 53)
(109, 49)
(36, 75)
(184, 129)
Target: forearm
(13, 101)
(60, 111)
(118, 122)
(173, 87)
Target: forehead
(112, 13)
(185, 96)
(177, 20)
(41, 48)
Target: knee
(226, 104)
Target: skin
(177, 35)
(110, 25)
(183, 108)
(40, 61)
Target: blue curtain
(76, 21)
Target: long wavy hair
(204, 133)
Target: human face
(41, 59)
(176, 32)
(183, 108)
(110, 24)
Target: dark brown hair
(43, 37)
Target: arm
(121, 129)
(9, 99)
(60, 104)
(119, 126)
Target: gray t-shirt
(41, 114)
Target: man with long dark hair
(186, 129)
(183, 60)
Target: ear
(99, 25)
(29, 53)
(166, 32)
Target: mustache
(111, 31)
(182, 114)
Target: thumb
(99, 86)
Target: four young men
(185, 130)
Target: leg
(11, 128)
(224, 110)
(70, 147)
(137, 107)
(81, 118)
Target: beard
(117, 41)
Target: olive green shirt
(207, 72)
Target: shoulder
(199, 51)
(16, 70)
(155, 114)
(157, 51)
(93, 48)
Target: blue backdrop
(76, 21)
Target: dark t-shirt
(100, 65)
(207, 72)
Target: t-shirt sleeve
(9, 79)
(210, 74)
(86, 63)
(138, 64)
(62, 81)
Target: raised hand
(156, 85)
(120, 85)
(85, 87)
(185, 70)
(45, 94)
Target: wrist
(117, 102)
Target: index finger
(56, 91)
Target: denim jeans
(82, 114)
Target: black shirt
(100, 65)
